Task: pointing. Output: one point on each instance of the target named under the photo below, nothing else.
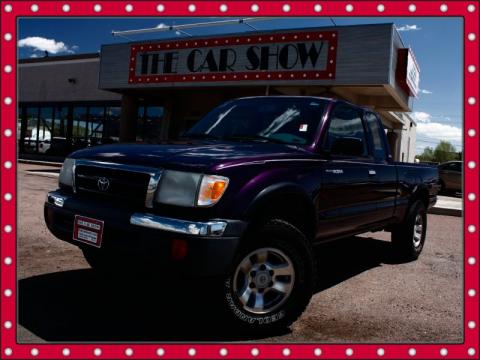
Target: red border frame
(468, 349)
(328, 73)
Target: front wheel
(408, 237)
(272, 280)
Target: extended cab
(244, 196)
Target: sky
(436, 42)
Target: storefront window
(79, 127)
(31, 133)
(60, 122)
(112, 123)
(95, 125)
(45, 129)
(153, 124)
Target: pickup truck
(244, 196)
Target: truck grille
(124, 185)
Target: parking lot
(363, 295)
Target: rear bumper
(211, 245)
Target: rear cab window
(378, 145)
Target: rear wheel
(408, 238)
(272, 280)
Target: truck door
(382, 173)
(347, 201)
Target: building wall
(48, 81)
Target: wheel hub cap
(264, 280)
(418, 230)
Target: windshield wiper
(254, 138)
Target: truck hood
(192, 156)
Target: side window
(346, 134)
(376, 131)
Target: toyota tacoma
(244, 196)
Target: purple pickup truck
(243, 197)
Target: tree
(445, 151)
(427, 155)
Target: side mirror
(349, 146)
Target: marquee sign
(408, 72)
(284, 56)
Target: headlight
(66, 174)
(190, 189)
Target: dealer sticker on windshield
(88, 230)
(303, 127)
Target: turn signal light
(211, 189)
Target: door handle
(372, 173)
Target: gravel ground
(363, 296)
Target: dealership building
(155, 90)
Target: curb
(446, 211)
(38, 162)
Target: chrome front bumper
(209, 228)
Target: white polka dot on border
(8, 8)
(223, 352)
(160, 8)
(471, 36)
(7, 324)
(471, 351)
(471, 229)
(192, 352)
(34, 7)
(7, 100)
(7, 69)
(8, 228)
(349, 7)
(471, 260)
(471, 100)
(34, 352)
(66, 352)
(8, 260)
(7, 132)
(471, 324)
(97, 8)
(443, 352)
(160, 352)
(286, 352)
(7, 37)
(97, 352)
(471, 164)
(380, 352)
(471, 8)
(443, 8)
(471, 132)
(471, 68)
(349, 352)
(129, 8)
(8, 352)
(317, 352)
(380, 8)
(8, 292)
(286, 8)
(223, 7)
(7, 197)
(129, 352)
(66, 8)
(255, 7)
(255, 352)
(192, 8)
(412, 352)
(317, 8)
(471, 292)
(412, 8)
(7, 164)
(471, 197)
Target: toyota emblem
(103, 184)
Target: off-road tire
(274, 234)
(404, 244)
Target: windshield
(285, 120)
